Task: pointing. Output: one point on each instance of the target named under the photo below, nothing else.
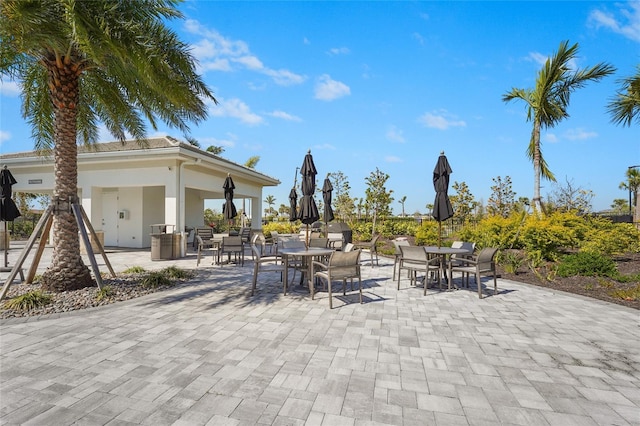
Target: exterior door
(110, 218)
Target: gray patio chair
(483, 263)
(342, 266)
(264, 263)
(415, 260)
(372, 246)
(233, 245)
(398, 254)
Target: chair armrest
(320, 265)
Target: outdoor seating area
(304, 261)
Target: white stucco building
(126, 188)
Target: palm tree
(548, 101)
(632, 184)
(270, 200)
(402, 201)
(86, 63)
(626, 105)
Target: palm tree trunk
(67, 270)
(537, 201)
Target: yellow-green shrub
(427, 234)
(611, 238)
(281, 228)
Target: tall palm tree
(632, 184)
(548, 101)
(82, 63)
(402, 201)
(626, 104)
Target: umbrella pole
(6, 244)
(439, 234)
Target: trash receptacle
(161, 242)
(343, 228)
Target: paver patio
(207, 353)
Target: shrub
(155, 279)
(606, 237)
(104, 293)
(587, 264)
(281, 228)
(28, 301)
(511, 261)
(173, 272)
(493, 231)
(134, 270)
(427, 234)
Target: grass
(28, 301)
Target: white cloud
(9, 88)
(579, 134)
(538, 58)
(392, 159)
(339, 51)
(395, 135)
(217, 53)
(207, 142)
(285, 116)
(4, 136)
(550, 137)
(325, 146)
(235, 108)
(418, 37)
(627, 23)
(441, 121)
(328, 89)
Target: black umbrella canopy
(228, 208)
(327, 190)
(442, 209)
(293, 205)
(8, 209)
(308, 208)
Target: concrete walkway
(207, 353)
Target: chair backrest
(470, 247)
(245, 234)
(318, 242)
(397, 243)
(231, 243)
(292, 243)
(413, 253)
(345, 264)
(206, 233)
(486, 258)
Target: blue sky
(390, 85)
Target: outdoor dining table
(304, 252)
(445, 253)
(216, 245)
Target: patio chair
(233, 245)
(372, 246)
(318, 242)
(204, 232)
(458, 259)
(483, 263)
(264, 263)
(342, 266)
(398, 254)
(415, 259)
(295, 262)
(204, 246)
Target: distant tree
(378, 198)
(620, 206)
(343, 204)
(192, 141)
(252, 162)
(626, 104)
(462, 201)
(501, 201)
(283, 210)
(569, 197)
(270, 200)
(215, 150)
(548, 101)
(632, 184)
(402, 201)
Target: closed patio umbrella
(293, 205)
(327, 190)
(228, 208)
(308, 208)
(8, 209)
(442, 209)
